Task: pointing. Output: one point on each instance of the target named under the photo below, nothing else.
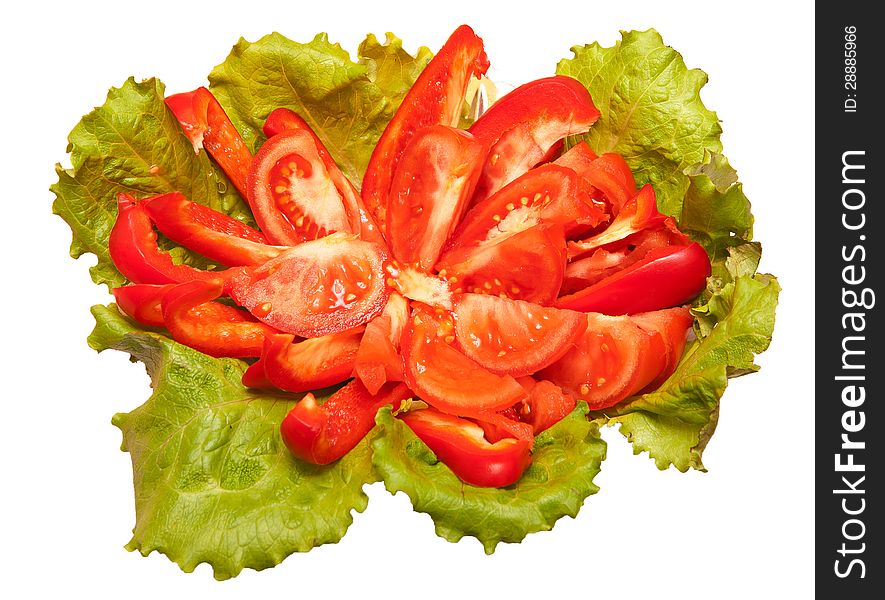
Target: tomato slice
(211, 327)
(546, 405)
(207, 125)
(306, 365)
(577, 158)
(461, 446)
(640, 212)
(377, 360)
(528, 265)
(429, 193)
(614, 358)
(503, 425)
(436, 98)
(611, 174)
(446, 378)
(323, 433)
(133, 248)
(546, 194)
(209, 232)
(665, 277)
(142, 302)
(672, 325)
(522, 127)
(512, 337)
(317, 288)
(282, 120)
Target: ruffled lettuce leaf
(348, 104)
(651, 108)
(565, 460)
(213, 480)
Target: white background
(744, 529)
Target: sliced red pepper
(207, 125)
(142, 302)
(611, 174)
(640, 212)
(503, 425)
(213, 234)
(378, 360)
(665, 277)
(523, 126)
(211, 327)
(430, 191)
(282, 120)
(461, 446)
(436, 98)
(323, 433)
(306, 365)
(578, 158)
(133, 248)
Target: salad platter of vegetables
(338, 272)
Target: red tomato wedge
(528, 265)
(665, 277)
(306, 365)
(323, 433)
(211, 327)
(613, 359)
(282, 120)
(444, 377)
(577, 158)
(673, 325)
(207, 125)
(546, 194)
(460, 445)
(503, 425)
(377, 360)
(429, 193)
(436, 98)
(611, 175)
(317, 288)
(142, 302)
(209, 232)
(512, 337)
(640, 212)
(546, 405)
(522, 127)
(134, 250)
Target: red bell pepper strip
(133, 248)
(461, 446)
(503, 425)
(306, 365)
(640, 212)
(665, 277)
(436, 98)
(522, 127)
(209, 232)
(323, 433)
(282, 120)
(611, 174)
(207, 125)
(378, 360)
(211, 327)
(142, 302)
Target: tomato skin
(306, 365)
(522, 127)
(528, 265)
(429, 192)
(460, 445)
(377, 360)
(316, 288)
(546, 194)
(512, 337)
(444, 377)
(133, 248)
(436, 98)
(207, 125)
(282, 120)
(321, 434)
(142, 302)
(210, 327)
(209, 232)
(665, 277)
(672, 325)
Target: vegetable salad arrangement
(340, 272)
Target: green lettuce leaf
(132, 143)
(348, 104)
(652, 112)
(213, 480)
(566, 458)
